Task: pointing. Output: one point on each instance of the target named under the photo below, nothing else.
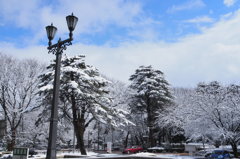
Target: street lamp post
(57, 49)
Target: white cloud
(211, 55)
(229, 3)
(192, 4)
(107, 11)
(34, 52)
(202, 19)
(36, 15)
(21, 13)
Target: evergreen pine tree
(152, 95)
(83, 96)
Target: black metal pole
(57, 49)
(51, 151)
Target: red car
(133, 149)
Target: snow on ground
(6, 155)
(145, 154)
(61, 155)
(109, 155)
(167, 156)
(78, 154)
(142, 154)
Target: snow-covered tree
(220, 106)
(152, 94)
(83, 95)
(172, 118)
(119, 93)
(32, 135)
(210, 113)
(18, 86)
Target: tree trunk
(80, 138)
(203, 142)
(81, 143)
(126, 140)
(79, 126)
(98, 137)
(150, 127)
(137, 140)
(234, 148)
(150, 122)
(151, 139)
(12, 142)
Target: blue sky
(189, 40)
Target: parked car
(116, 148)
(174, 147)
(32, 152)
(220, 154)
(205, 153)
(133, 149)
(156, 149)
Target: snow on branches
(83, 95)
(210, 111)
(151, 95)
(86, 85)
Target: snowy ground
(112, 155)
(42, 155)
(163, 156)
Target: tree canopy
(152, 94)
(83, 94)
